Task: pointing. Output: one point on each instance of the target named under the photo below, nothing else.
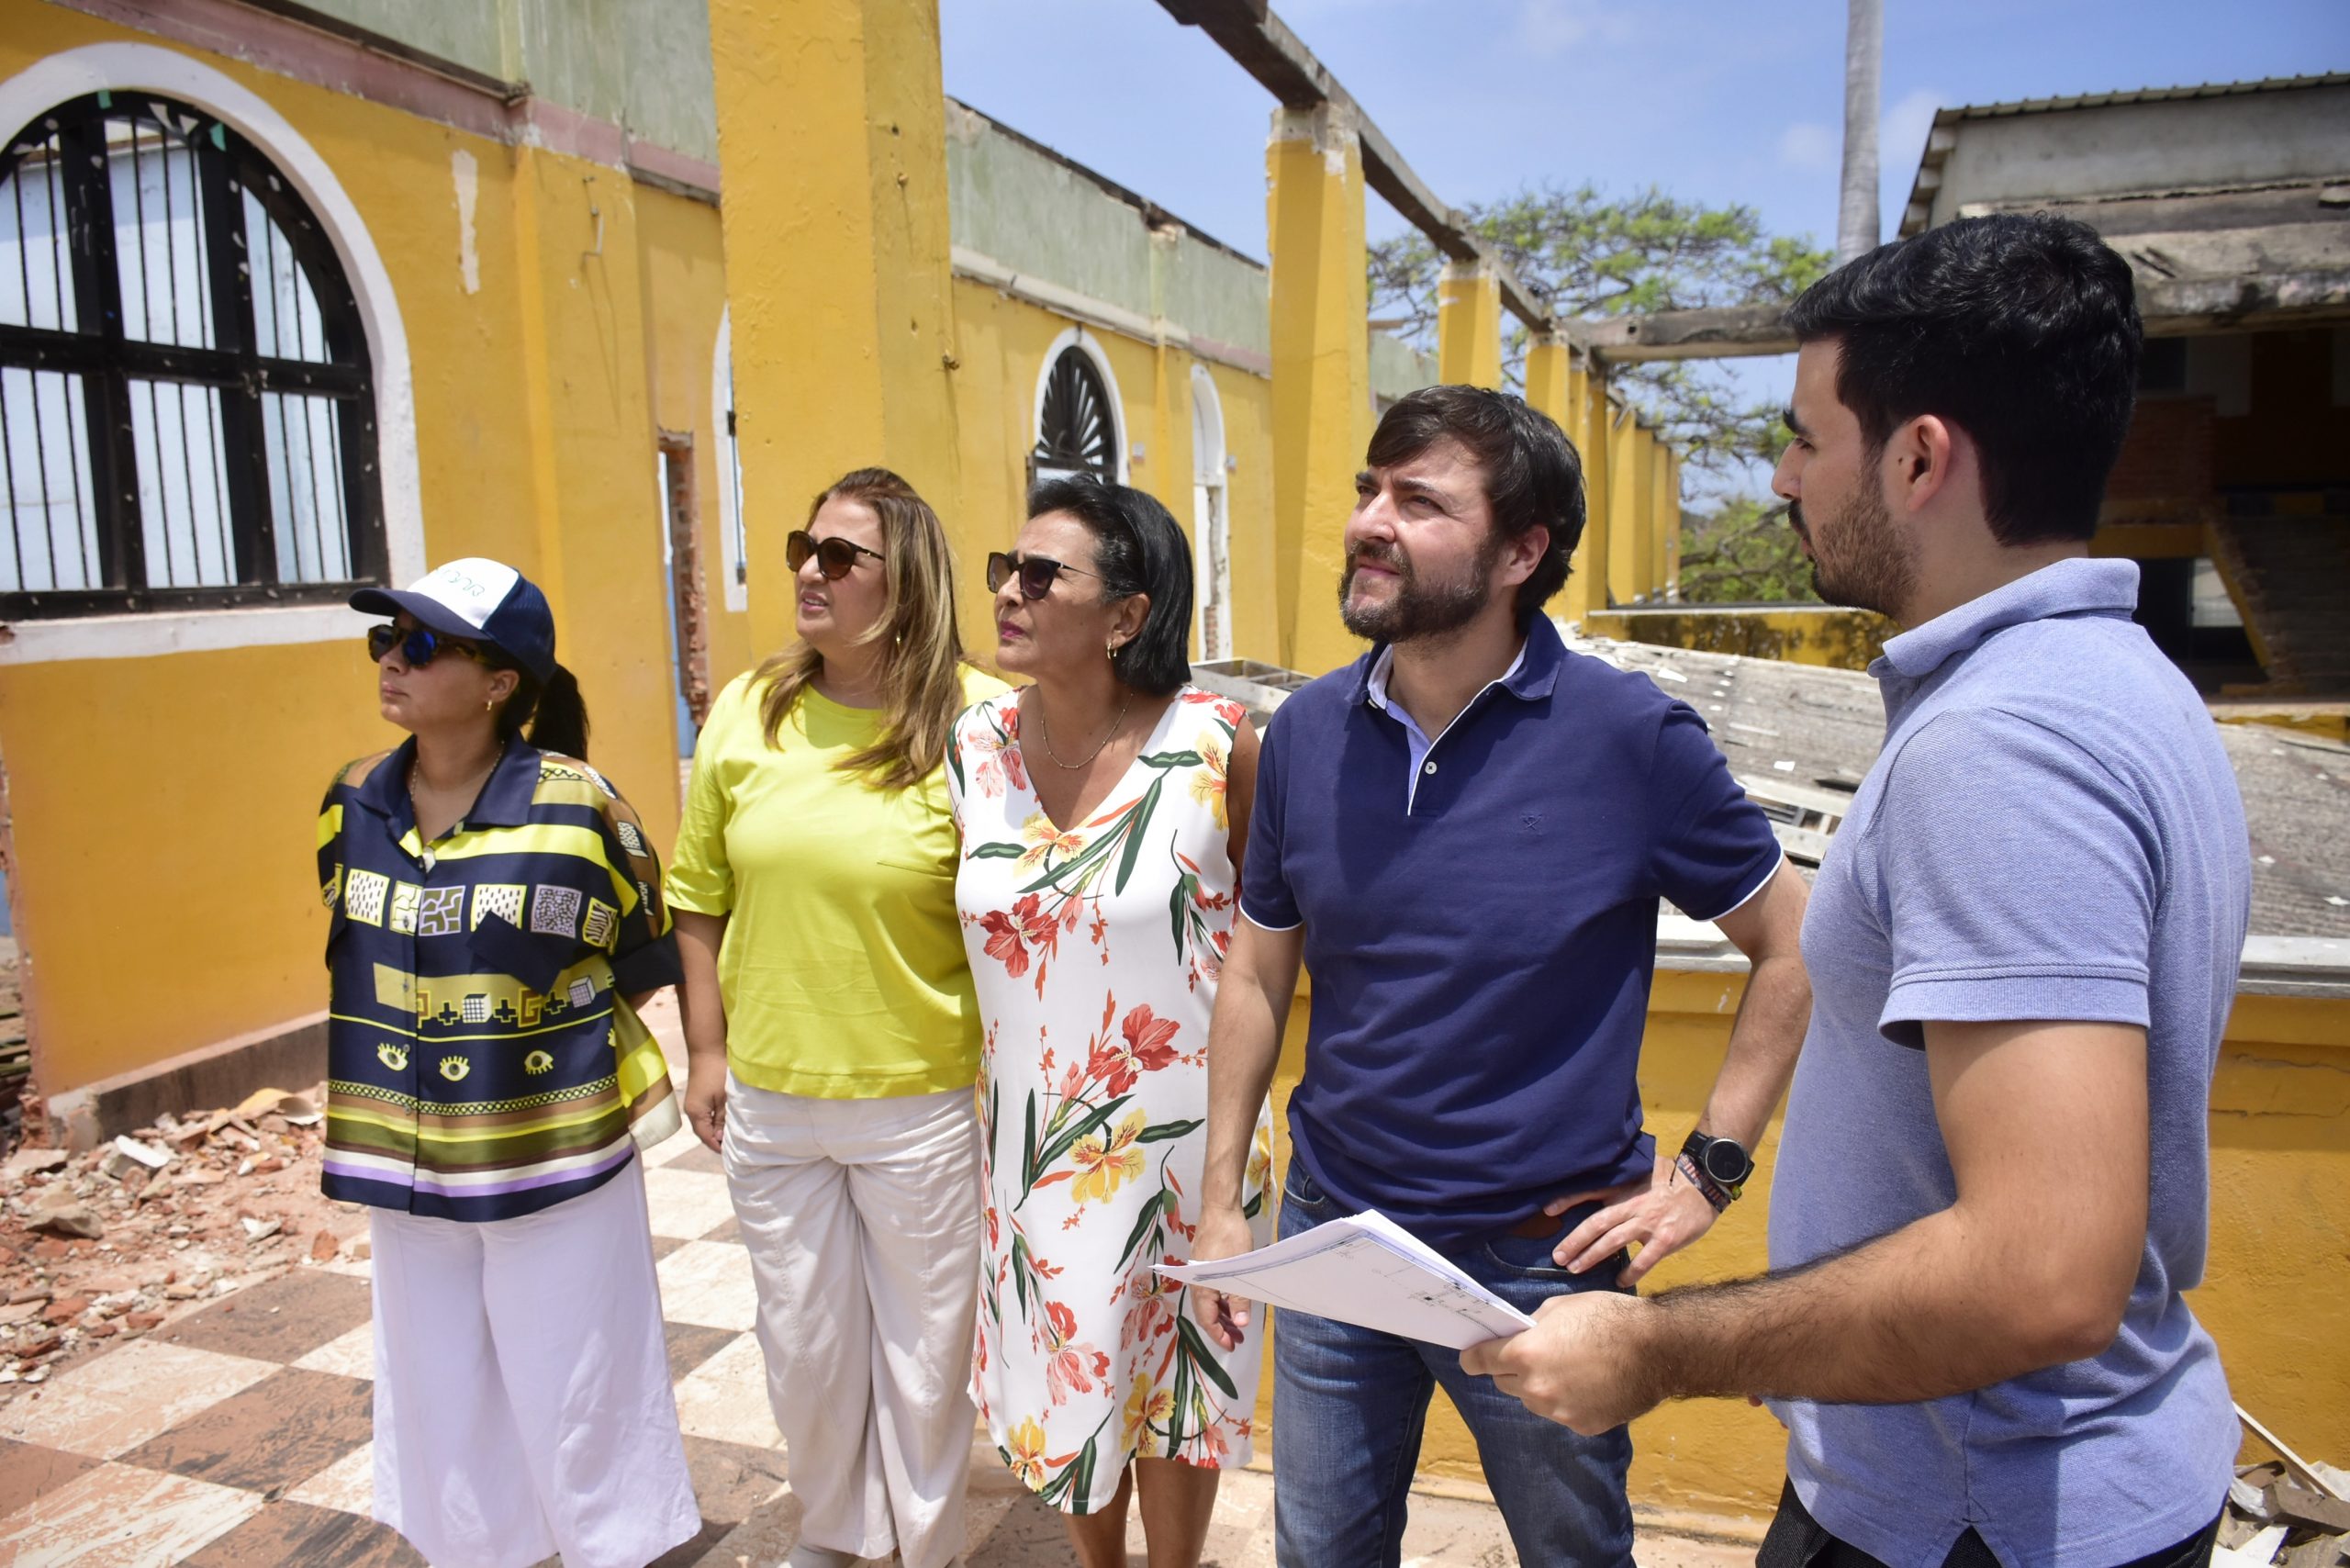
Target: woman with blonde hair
(832, 1033)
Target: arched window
(1078, 426)
(186, 406)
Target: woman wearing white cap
(495, 922)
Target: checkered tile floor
(239, 1434)
(240, 1437)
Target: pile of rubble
(113, 1242)
(2291, 1513)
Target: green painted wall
(641, 63)
(1030, 211)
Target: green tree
(1742, 551)
(1589, 253)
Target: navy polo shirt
(1482, 941)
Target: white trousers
(522, 1399)
(862, 1217)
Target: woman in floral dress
(1103, 808)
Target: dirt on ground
(111, 1244)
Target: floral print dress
(1096, 949)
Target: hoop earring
(488, 703)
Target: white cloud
(1807, 145)
(1901, 132)
(1548, 27)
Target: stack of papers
(1368, 1271)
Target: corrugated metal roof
(2142, 96)
(1937, 146)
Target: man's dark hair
(2021, 329)
(1533, 477)
(1137, 548)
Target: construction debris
(2286, 1513)
(111, 1244)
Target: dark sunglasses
(419, 646)
(1035, 573)
(836, 557)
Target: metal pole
(1856, 221)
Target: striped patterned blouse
(482, 1063)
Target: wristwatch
(1721, 1164)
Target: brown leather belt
(1539, 1225)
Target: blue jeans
(1349, 1404)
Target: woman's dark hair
(1137, 548)
(1532, 476)
(2020, 329)
(556, 713)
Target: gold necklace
(415, 774)
(1047, 724)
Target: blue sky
(1712, 100)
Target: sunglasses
(836, 557)
(1035, 573)
(419, 646)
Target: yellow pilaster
(833, 139)
(1645, 479)
(1587, 578)
(1626, 465)
(1552, 388)
(1321, 372)
(1469, 325)
(1668, 555)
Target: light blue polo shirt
(2052, 831)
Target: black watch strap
(1723, 1161)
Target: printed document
(1368, 1271)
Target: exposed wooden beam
(1730, 332)
(2170, 308)
(1263, 45)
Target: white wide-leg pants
(522, 1399)
(862, 1217)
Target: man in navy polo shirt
(1994, 1183)
(1467, 834)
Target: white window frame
(144, 67)
(733, 530)
(1084, 340)
(1209, 484)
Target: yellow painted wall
(832, 133)
(1002, 343)
(160, 807)
(682, 266)
(2275, 1295)
(1802, 635)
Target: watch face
(1726, 1162)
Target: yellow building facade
(570, 374)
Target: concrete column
(1668, 521)
(1469, 325)
(1321, 372)
(1587, 578)
(1626, 463)
(833, 141)
(1552, 388)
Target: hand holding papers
(1367, 1270)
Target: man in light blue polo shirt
(1993, 1184)
(1465, 834)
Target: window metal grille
(186, 413)
(1076, 433)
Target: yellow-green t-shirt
(843, 968)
